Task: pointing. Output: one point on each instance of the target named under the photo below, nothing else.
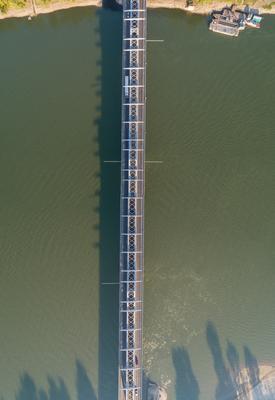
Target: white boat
(254, 21)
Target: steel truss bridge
(132, 199)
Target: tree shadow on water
(252, 366)
(84, 387)
(187, 387)
(27, 390)
(238, 378)
(57, 389)
(236, 381)
(225, 387)
(233, 358)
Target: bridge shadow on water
(109, 40)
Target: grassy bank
(24, 8)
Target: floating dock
(230, 21)
(224, 27)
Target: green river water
(210, 205)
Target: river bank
(35, 8)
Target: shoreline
(33, 9)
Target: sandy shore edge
(170, 4)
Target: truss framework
(132, 199)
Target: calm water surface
(210, 206)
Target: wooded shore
(33, 7)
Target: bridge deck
(132, 199)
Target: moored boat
(254, 21)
